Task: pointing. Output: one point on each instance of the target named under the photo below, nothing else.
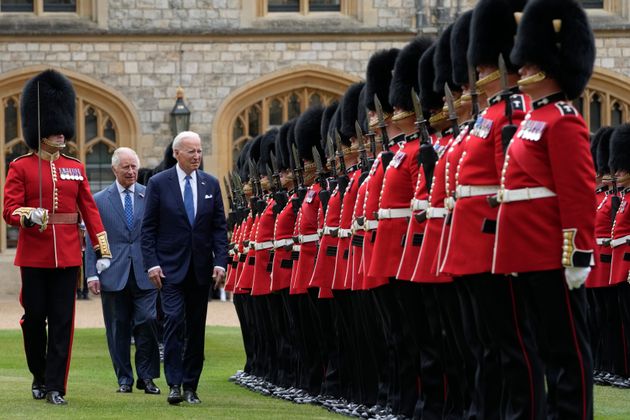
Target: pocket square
(208, 196)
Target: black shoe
(125, 389)
(191, 397)
(54, 397)
(38, 390)
(148, 386)
(174, 395)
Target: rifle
(386, 155)
(330, 149)
(257, 203)
(242, 209)
(342, 179)
(452, 112)
(298, 172)
(426, 155)
(474, 94)
(324, 194)
(231, 219)
(508, 130)
(364, 161)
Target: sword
(452, 113)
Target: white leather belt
(305, 239)
(436, 213)
(282, 242)
(252, 245)
(356, 226)
(417, 205)
(260, 246)
(393, 213)
(296, 248)
(328, 230)
(449, 203)
(463, 191)
(603, 241)
(523, 194)
(370, 225)
(619, 241)
(345, 233)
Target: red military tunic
(65, 189)
(549, 150)
(243, 248)
(341, 273)
(263, 251)
(397, 192)
(325, 261)
(234, 253)
(357, 241)
(371, 206)
(470, 243)
(415, 230)
(600, 274)
(245, 277)
(283, 244)
(425, 270)
(308, 223)
(620, 266)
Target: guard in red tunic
(545, 226)
(620, 244)
(46, 195)
(607, 338)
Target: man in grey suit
(127, 294)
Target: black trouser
(624, 311)
(126, 312)
(311, 364)
(48, 296)
(265, 357)
(343, 314)
(401, 351)
(240, 304)
(607, 336)
(370, 349)
(292, 340)
(281, 350)
(553, 327)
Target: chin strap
(52, 144)
(534, 78)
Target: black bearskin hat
(241, 163)
(378, 77)
(431, 100)
(619, 149)
(442, 61)
(267, 146)
(460, 35)
(328, 121)
(406, 73)
(601, 140)
(283, 148)
(362, 110)
(254, 150)
(492, 31)
(350, 112)
(57, 107)
(333, 128)
(307, 132)
(567, 56)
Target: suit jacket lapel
(202, 186)
(138, 197)
(114, 199)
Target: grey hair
(120, 151)
(183, 135)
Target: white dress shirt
(121, 193)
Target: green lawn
(92, 385)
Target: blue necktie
(128, 209)
(188, 200)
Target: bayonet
(421, 122)
(474, 94)
(426, 155)
(452, 112)
(381, 123)
(280, 196)
(363, 158)
(324, 194)
(272, 180)
(508, 130)
(228, 192)
(342, 162)
(331, 155)
(298, 166)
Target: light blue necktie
(128, 209)
(188, 200)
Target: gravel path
(90, 313)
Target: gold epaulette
(20, 157)
(71, 157)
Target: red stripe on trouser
(525, 355)
(74, 309)
(577, 349)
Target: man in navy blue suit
(184, 245)
(127, 294)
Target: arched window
(606, 99)
(104, 121)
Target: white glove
(576, 276)
(102, 264)
(39, 216)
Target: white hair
(122, 150)
(184, 135)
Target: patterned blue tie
(128, 209)
(188, 200)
